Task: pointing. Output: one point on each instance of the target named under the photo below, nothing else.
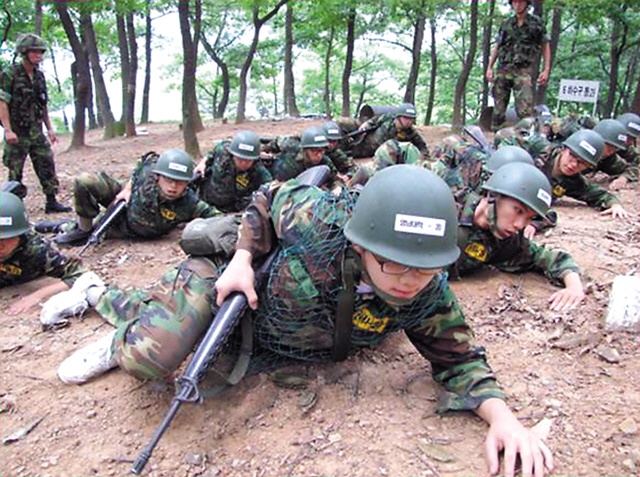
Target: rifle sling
(344, 312)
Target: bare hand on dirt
(617, 212)
(566, 299)
(238, 276)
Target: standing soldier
(232, 172)
(519, 41)
(157, 197)
(23, 109)
(311, 151)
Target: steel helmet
(613, 132)
(507, 155)
(588, 145)
(313, 136)
(175, 164)
(245, 145)
(406, 214)
(406, 110)
(29, 41)
(13, 216)
(523, 182)
(332, 130)
(631, 121)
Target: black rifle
(112, 213)
(478, 136)
(225, 321)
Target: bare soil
(374, 414)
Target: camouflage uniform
(534, 144)
(391, 152)
(298, 303)
(460, 164)
(27, 100)
(386, 129)
(294, 161)
(35, 257)
(515, 254)
(632, 158)
(225, 187)
(147, 214)
(287, 145)
(517, 48)
(342, 162)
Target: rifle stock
(225, 321)
(115, 210)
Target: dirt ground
(372, 415)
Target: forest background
(299, 57)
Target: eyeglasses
(394, 268)
(579, 160)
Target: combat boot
(73, 238)
(51, 226)
(53, 206)
(89, 362)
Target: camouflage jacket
(391, 152)
(35, 257)
(226, 188)
(293, 162)
(575, 186)
(519, 45)
(460, 164)
(515, 254)
(26, 98)
(291, 145)
(534, 144)
(149, 215)
(632, 158)
(298, 304)
(342, 162)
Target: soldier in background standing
(23, 110)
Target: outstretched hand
(617, 212)
(566, 299)
(238, 276)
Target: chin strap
(492, 213)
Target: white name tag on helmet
(320, 138)
(174, 166)
(246, 147)
(588, 147)
(622, 137)
(633, 125)
(414, 224)
(6, 220)
(544, 196)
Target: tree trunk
(458, 110)
(91, 114)
(224, 71)
(348, 63)
(556, 24)
(124, 64)
(327, 75)
(244, 72)
(275, 96)
(130, 121)
(82, 79)
(535, 64)
(37, 18)
(416, 52)
(487, 33)
(617, 46)
(144, 114)
(434, 73)
(635, 104)
(102, 97)
(290, 106)
(188, 79)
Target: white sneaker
(60, 306)
(88, 362)
(91, 285)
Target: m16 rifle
(112, 214)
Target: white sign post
(580, 91)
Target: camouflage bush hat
(588, 145)
(332, 130)
(175, 164)
(406, 110)
(613, 132)
(13, 216)
(406, 214)
(630, 121)
(29, 41)
(507, 155)
(313, 136)
(245, 145)
(523, 182)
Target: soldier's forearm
(4, 116)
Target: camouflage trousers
(519, 82)
(158, 327)
(36, 146)
(90, 191)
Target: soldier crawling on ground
(157, 197)
(380, 254)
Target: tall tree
(416, 53)
(556, 23)
(82, 81)
(148, 32)
(129, 120)
(458, 109)
(258, 23)
(348, 62)
(37, 18)
(619, 30)
(290, 106)
(635, 103)
(487, 33)
(434, 72)
(326, 95)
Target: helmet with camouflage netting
(312, 137)
(406, 214)
(406, 110)
(523, 182)
(588, 145)
(613, 132)
(245, 145)
(175, 164)
(631, 122)
(507, 155)
(13, 216)
(29, 41)
(332, 130)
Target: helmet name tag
(622, 137)
(246, 147)
(319, 138)
(174, 166)
(544, 196)
(6, 220)
(411, 111)
(588, 147)
(633, 125)
(420, 225)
